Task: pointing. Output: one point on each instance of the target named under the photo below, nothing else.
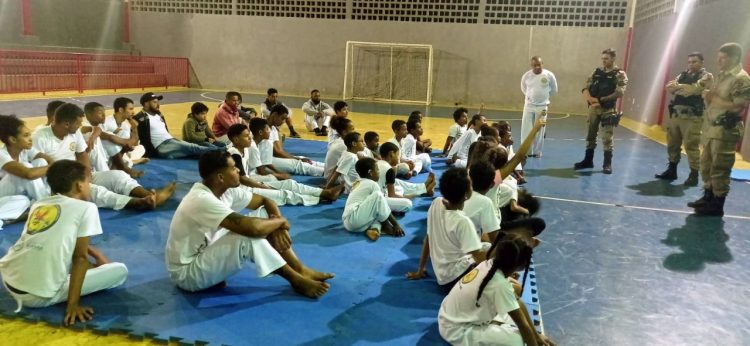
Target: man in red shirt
(227, 115)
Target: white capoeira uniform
(11, 185)
(403, 188)
(455, 132)
(109, 189)
(537, 89)
(461, 147)
(12, 207)
(287, 191)
(123, 131)
(43, 270)
(460, 322)
(200, 253)
(311, 110)
(294, 166)
(366, 207)
(345, 168)
(333, 154)
(408, 148)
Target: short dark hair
(235, 130)
(457, 113)
(91, 107)
(272, 91)
(198, 108)
(365, 165)
(487, 130)
(396, 124)
(339, 105)
(482, 175)
(62, 174)
(9, 127)
(415, 114)
(351, 138)
(371, 135)
(528, 201)
(698, 55)
(412, 124)
(611, 52)
(279, 109)
(497, 156)
(232, 93)
(475, 118)
(212, 162)
(386, 148)
(52, 107)
(502, 124)
(454, 184)
(68, 112)
(314, 91)
(734, 50)
(121, 102)
(257, 125)
(340, 124)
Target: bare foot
(315, 275)
(430, 184)
(333, 193)
(135, 173)
(141, 161)
(310, 288)
(372, 234)
(392, 229)
(98, 256)
(163, 194)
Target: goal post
(395, 72)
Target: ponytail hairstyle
(10, 126)
(511, 253)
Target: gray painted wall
(709, 26)
(474, 63)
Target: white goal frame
(348, 70)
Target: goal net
(388, 72)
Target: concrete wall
(708, 27)
(474, 63)
(88, 24)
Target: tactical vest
(694, 101)
(604, 84)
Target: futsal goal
(396, 72)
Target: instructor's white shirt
(538, 88)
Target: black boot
(317, 131)
(692, 179)
(714, 207)
(588, 161)
(670, 173)
(293, 133)
(607, 166)
(707, 195)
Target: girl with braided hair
(483, 309)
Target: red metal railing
(32, 71)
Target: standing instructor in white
(537, 85)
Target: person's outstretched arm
(79, 267)
(419, 274)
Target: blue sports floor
(622, 263)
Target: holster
(611, 119)
(728, 120)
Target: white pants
(103, 277)
(36, 189)
(460, 163)
(422, 162)
(298, 167)
(103, 198)
(225, 257)
(311, 123)
(530, 116)
(368, 214)
(116, 181)
(11, 207)
(505, 334)
(405, 188)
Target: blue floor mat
(370, 300)
(740, 174)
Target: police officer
(685, 118)
(601, 92)
(726, 98)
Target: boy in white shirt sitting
(122, 144)
(341, 110)
(410, 148)
(49, 263)
(345, 166)
(366, 208)
(451, 242)
(372, 145)
(461, 118)
(337, 147)
(479, 208)
(398, 192)
(406, 167)
(282, 160)
(459, 153)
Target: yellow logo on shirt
(72, 146)
(470, 276)
(42, 218)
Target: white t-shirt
(538, 88)
(383, 168)
(196, 221)
(456, 131)
(98, 155)
(333, 155)
(483, 213)
(361, 189)
(332, 136)
(265, 152)
(274, 136)
(366, 153)
(159, 132)
(123, 131)
(409, 148)
(451, 237)
(25, 158)
(250, 158)
(345, 167)
(459, 310)
(59, 149)
(40, 261)
(462, 144)
(398, 143)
